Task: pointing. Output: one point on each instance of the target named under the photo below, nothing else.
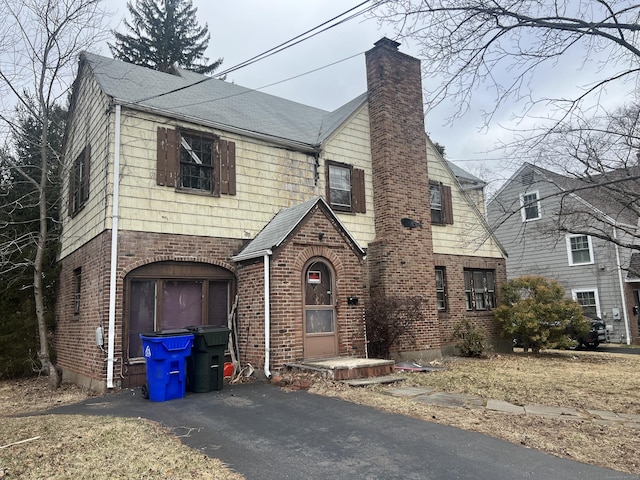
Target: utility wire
(271, 51)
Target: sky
(241, 29)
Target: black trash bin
(205, 366)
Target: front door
(320, 337)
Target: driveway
(266, 433)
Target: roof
(465, 177)
(209, 101)
(607, 193)
(278, 229)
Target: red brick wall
(454, 266)
(78, 355)
(286, 282)
(401, 258)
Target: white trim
(575, 291)
(522, 206)
(570, 252)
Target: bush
(471, 339)
(535, 312)
(389, 318)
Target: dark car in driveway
(596, 335)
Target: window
(77, 286)
(196, 162)
(579, 250)
(441, 296)
(479, 287)
(530, 206)
(345, 188)
(170, 295)
(79, 182)
(440, 204)
(589, 301)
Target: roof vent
(527, 178)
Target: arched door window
(319, 309)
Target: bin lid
(175, 332)
(207, 328)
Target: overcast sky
(241, 29)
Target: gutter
(625, 313)
(267, 315)
(114, 251)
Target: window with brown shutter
(194, 161)
(441, 204)
(345, 188)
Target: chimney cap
(387, 42)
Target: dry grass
(106, 447)
(70, 447)
(582, 380)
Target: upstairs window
(440, 204)
(79, 182)
(345, 188)
(530, 206)
(196, 162)
(480, 291)
(579, 250)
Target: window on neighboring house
(479, 287)
(441, 295)
(77, 288)
(440, 203)
(345, 188)
(579, 250)
(589, 301)
(196, 162)
(79, 181)
(530, 206)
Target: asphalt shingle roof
(216, 102)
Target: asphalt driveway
(266, 433)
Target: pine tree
(164, 33)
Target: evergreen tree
(164, 33)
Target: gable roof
(204, 100)
(278, 229)
(606, 193)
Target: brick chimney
(400, 258)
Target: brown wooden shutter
(227, 167)
(447, 204)
(358, 191)
(167, 167)
(72, 176)
(86, 173)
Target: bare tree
(507, 49)
(39, 47)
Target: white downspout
(267, 314)
(625, 313)
(114, 251)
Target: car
(595, 336)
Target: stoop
(345, 368)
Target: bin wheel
(145, 391)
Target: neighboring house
(189, 198)
(557, 226)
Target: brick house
(186, 193)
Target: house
(190, 198)
(561, 226)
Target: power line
(272, 51)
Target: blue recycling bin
(165, 354)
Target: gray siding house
(557, 227)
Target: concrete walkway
(430, 396)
